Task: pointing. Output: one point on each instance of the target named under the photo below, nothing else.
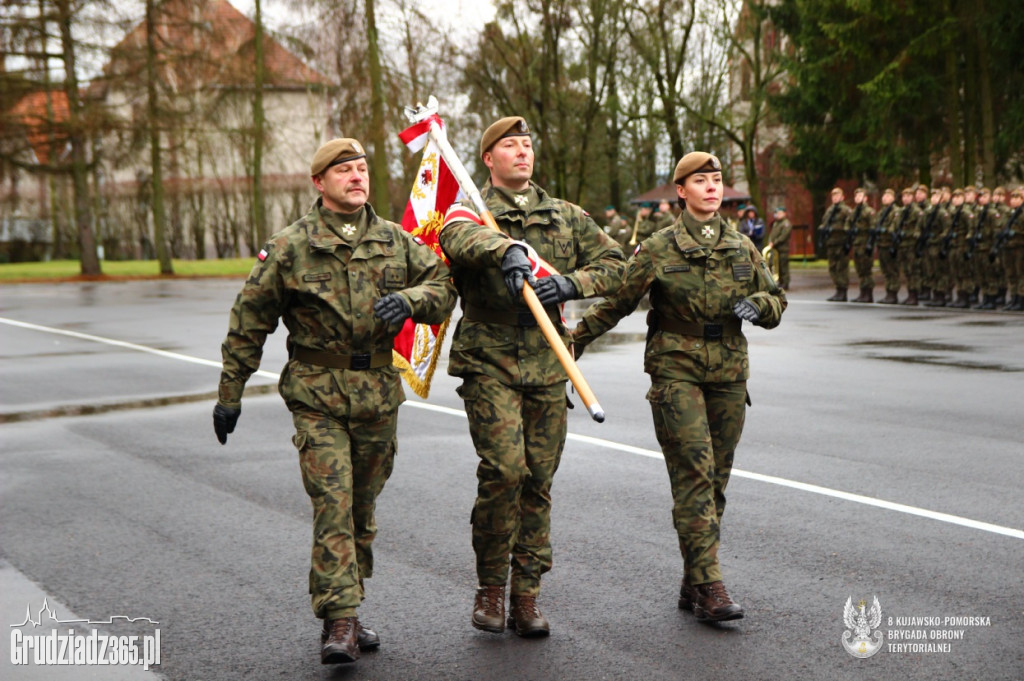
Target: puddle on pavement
(939, 361)
(915, 345)
(986, 322)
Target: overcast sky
(459, 14)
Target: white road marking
(585, 439)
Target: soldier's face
(983, 199)
(887, 199)
(837, 197)
(702, 193)
(936, 198)
(345, 187)
(919, 196)
(906, 198)
(958, 199)
(858, 197)
(510, 161)
(970, 197)
(997, 197)
(1016, 201)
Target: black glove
(554, 289)
(516, 269)
(392, 308)
(746, 310)
(224, 420)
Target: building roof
(43, 129)
(209, 43)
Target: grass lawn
(124, 269)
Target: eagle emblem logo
(857, 638)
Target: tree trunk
(90, 264)
(259, 217)
(379, 166)
(156, 164)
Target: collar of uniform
(504, 203)
(321, 237)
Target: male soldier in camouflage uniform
(705, 279)
(344, 281)
(665, 216)
(859, 232)
(934, 231)
(1000, 204)
(905, 244)
(778, 239)
(960, 229)
(921, 201)
(833, 236)
(881, 238)
(1009, 247)
(987, 274)
(617, 227)
(513, 385)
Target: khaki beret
(970, 188)
(999, 190)
(889, 191)
(984, 190)
(696, 162)
(334, 152)
(860, 190)
(510, 126)
(1018, 192)
(907, 190)
(958, 192)
(921, 188)
(837, 190)
(936, 191)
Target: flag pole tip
(596, 412)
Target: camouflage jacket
(834, 225)
(325, 288)
(691, 283)
(989, 222)
(907, 226)
(935, 226)
(885, 224)
(563, 235)
(779, 236)
(861, 227)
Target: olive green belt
(507, 317)
(334, 360)
(710, 330)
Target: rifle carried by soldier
(877, 231)
(926, 232)
(976, 237)
(826, 229)
(852, 232)
(1004, 235)
(897, 236)
(948, 241)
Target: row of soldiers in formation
(965, 241)
(648, 220)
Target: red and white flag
(435, 188)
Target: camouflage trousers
(1013, 262)
(937, 274)
(839, 266)
(890, 268)
(862, 264)
(783, 274)
(519, 434)
(698, 428)
(988, 274)
(910, 266)
(345, 425)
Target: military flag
(434, 189)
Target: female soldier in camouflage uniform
(704, 279)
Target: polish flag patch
(263, 255)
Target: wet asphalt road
(882, 457)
